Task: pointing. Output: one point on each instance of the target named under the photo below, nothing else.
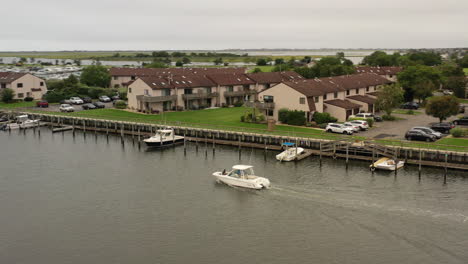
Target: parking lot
(55, 107)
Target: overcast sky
(220, 24)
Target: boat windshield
(241, 173)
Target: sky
(48, 25)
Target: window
(302, 100)
(41, 83)
(188, 91)
(146, 92)
(390, 76)
(316, 99)
(129, 90)
(208, 90)
(20, 95)
(269, 112)
(335, 95)
(357, 91)
(133, 77)
(230, 89)
(347, 92)
(116, 78)
(166, 92)
(325, 97)
(367, 88)
(268, 99)
(19, 85)
(3, 85)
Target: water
(89, 200)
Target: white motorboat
(163, 138)
(22, 121)
(242, 176)
(387, 164)
(291, 152)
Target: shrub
(250, 118)
(242, 118)
(296, 118)
(459, 132)
(283, 115)
(388, 118)
(410, 112)
(28, 99)
(7, 95)
(323, 118)
(120, 104)
(238, 104)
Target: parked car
(447, 92)
(362, 115)
(410, 105)
(42, 104)
(442, 127)
(104, 98)
(339, 128)
(355, 127)
(66, 101)
(419, 135)
(66, 108)
(87, 100)
(76, 100)
(99, 104)
(88, 106)
(362, 124)
(429, 131)
(115, 97)
(461, 121)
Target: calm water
(86, 200)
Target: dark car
(419, 135)
(461, 121)
(377, 118)
(87, 100)
(410, 105)
(88, 106)
(115, 97)
(442, 127)
(99, 105)
(42, 104)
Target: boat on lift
(290, 153)
(163, 138)
(22, 122)
(387, 164)
(242, 176)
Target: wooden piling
(347, 155)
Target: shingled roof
(384, 70)
(230, 79)
(172, 71)
(8, 77)
(274, 77)
(189, 81)
(342, 104)
(362, 98)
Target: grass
(463, 101)
(406, 112)
(267, 68)
(16, 105)
(466, 71)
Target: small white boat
(387, 164)
(290, 153)
(242, 176)
(163, 138)
(22, 121)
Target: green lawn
(463, 101)
(406, 112)
(267, 68)
(466, 71)
(16, 105)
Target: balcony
(239, 93)
(196, 96)
(156, 99)
(260, 105)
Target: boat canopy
(241, 167)
(288, 144)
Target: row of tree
(381, 58)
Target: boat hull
(257, 184)
(290, 154)
(165, 143)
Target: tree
(389, 97)
(96, 75)
(186, 60)
(218, 61)
(456, 84)
(116, 55)
(425, 58)
(443, 107)
(340, 55)
(413, 76)
(306, 59)
(77, 62)
(179, 63)
(23, 59)
(7, 95)
(71, 81)
(261, 62)
(160, 54)
(279, 61)
(256, 70)
(423, 90)
(177, 54)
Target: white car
(355, 127)
(363, 125)
(362, 115)
(447, 92)
(76, 100)
(339, 128)
(66, 108)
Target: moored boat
(22, 121)
(163, 138)
(387, 164)
(291, 153)
(242, 176)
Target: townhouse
(197, 90)
(23, 84)
(340, 96)
(389, 72)
(122, 77)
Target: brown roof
(373, 93)
(230, 79)
(385, 70)
(189, 81)
(362, 98)
(8, 77)
(274, 77)
(172, 71)
(342, 104)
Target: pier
(344, 148)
